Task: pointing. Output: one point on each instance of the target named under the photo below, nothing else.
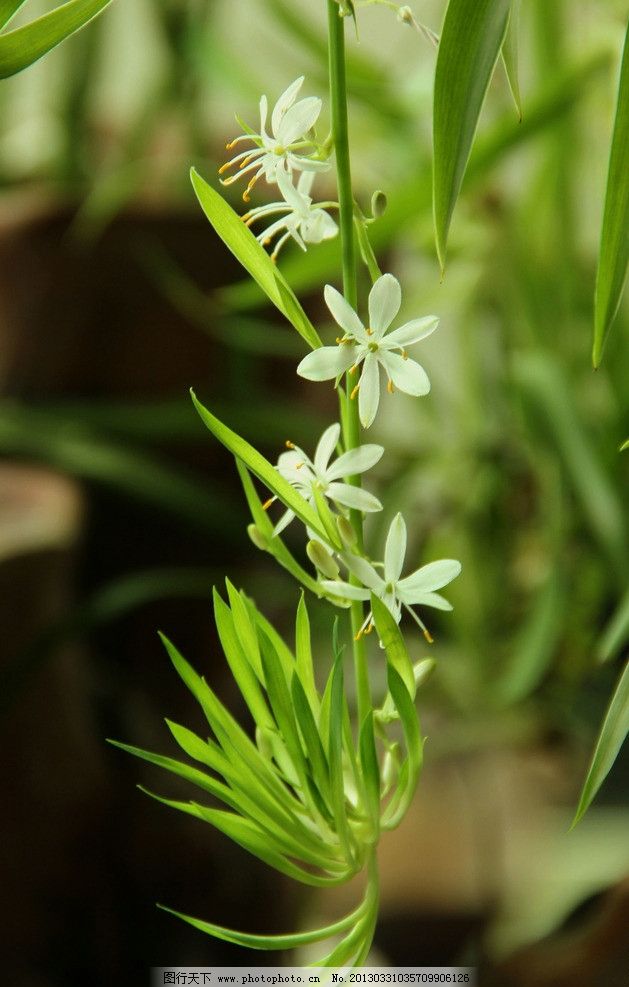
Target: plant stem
(349, 407)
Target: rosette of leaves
(298, 791)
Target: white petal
(435, 600)
(349, 496)
(306, 164)
(344, 590)
(395, 549)
(355, 461)
(406, 375)
(412, 332)
(318, 226)
(363, 571)
(304, 185)
(298, 120)
(430, 577)
(369, 391)
(283, 522)
(263, 112)
(385, 299)
(286, 100)
(326, 362)
(289, 192)
(343, 313)
(325, 447)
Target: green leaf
(616, 634)
(370, 768)
(23, 46)
(472, 36)
(263, 469)
(8, 9)
(303, 655)
(613, 732)
(411, 767)
(510, 55)
(276, 548)
(244, 629)
(312, 740)
(391, 637)
(241, 669)
(253, 257)
(253, 941)
(624, 446)
(335, 755)
(614, 249)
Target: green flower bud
(257, 537)
(322, 560)
(378, 204)
(422, 670)
(345, 530)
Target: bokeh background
(118, 512)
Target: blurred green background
(118, 512)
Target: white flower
(302, 221)
(305, 474)
(290, 125)
(372, 346)
(416, 589)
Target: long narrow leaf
(303, 655)
(253, 257)
(472, 36)
(244, 629)
(614, 250)
(335, 755)
(312, 740)
(393, 642)
(8, 10)
(280, 942)
(242, 671)
(613, 732)
(409, 774)
(263, 469)
(510, 55)
(370, 768)
(25, 45)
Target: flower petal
(407, 375)
(298, 120)
(285, 101)
(344, 590)
(428, 578)
(355, 461)
(434, 600)
(343, 313)
(385, 299)
(363, 571)
(283, 522)
(294, 198)
(326, 362)
(264, 109)
(349, 496)
(369, 391)
(395, 549)
(318, 226)
(325, 447)
(411, 332)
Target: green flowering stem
(349, 407)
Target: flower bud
(405, 15)
(390, 767)
(345, 530)
(322, 560)
(378, 204)
(258, 539)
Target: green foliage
(614, 249)
(24, 45)
(302, 798)
(613, 733)
(470, 44)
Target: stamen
(267, 503)
(404, 355)
(352, 370)
(365, 628)
(428, 636)
(289, 444)
(223, 168)
(369, 331)
(298, 466)
(355, 391)
(390, 387)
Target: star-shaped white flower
(303, 221)
(372, 346)
(305, 474)
(418, 589)
(291, 123)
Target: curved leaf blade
(25, 45)
(471, 40)
(510, 55)
(613, 732)
(614, 249)
(240, 240)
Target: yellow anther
(246, 161)
(223, 168)
(267, 503)
(358, 636)
(289, 444)
(404, 355)
(390, 387)
(369, 331)
(369, 628)
(231, 144)
(298, 466)
(352, 370)
(354, 392)
(428, 636)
